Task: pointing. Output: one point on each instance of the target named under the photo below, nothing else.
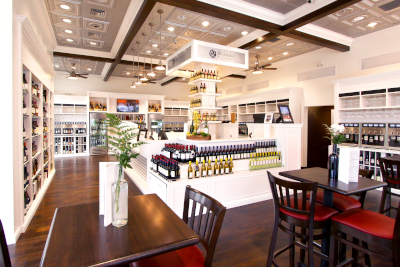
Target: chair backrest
(208, 223)
(4, 256)
(366, 173)
(390, 171)
(287, 196)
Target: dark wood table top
(78, 237)
(394, 157)
(320, 176)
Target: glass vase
(333, 163)
(120, 201)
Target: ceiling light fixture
(270, 58)
(56, 66)
(285, 53)
(69, 40)
(257, 68)
(372, 24)
(258, 47)
(128, 73)
(166, 54)
(171, 29)
(160, 65)
(289, 44)
(72, 75)
(65, 7)
(227, 28)
(358, 18)
(67, 21)
(89, 69)
(148, 51)
(68, 31)
(93, 43)
(151, 73)
(138, 82)
(144, 78)
(154, 45)
(205, 23)
(244, 32)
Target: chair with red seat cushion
(298, 211)
(342, 202)
(372, 228)
(390, 174)
(207, 225)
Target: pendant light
(151, 73)
(133, 85)
(144, 78)
(160, 65)
(138, 82)
(257, 69)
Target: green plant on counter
(119, 141)
(335, 133)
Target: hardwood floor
(244, 238)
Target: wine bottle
(209, 168)
(231, 167)
(204, 169)
(216, 168)
(226, 166)
(190, 170)
(221, 167)
(197, 170)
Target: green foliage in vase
(335, 133)
(121, 141)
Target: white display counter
(232, 190)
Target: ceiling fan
(74, 76)
(259, 69)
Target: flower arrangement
(198, 124)
(335, 133)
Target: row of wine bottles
(209, 170)
(203, 89)
(205, 74)
(183, 153)
(195, 103)
(259, 161)
(69, 130)
(97, 106)
(167, 168)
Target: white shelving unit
(71, 130)
(37, 161)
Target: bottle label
(376, 138)
(209, 172)
(197, 173)
(190, 175)
(366, 138)
(381, 138)
(172, 174)
(204, 173)
(226, 170)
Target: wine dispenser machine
(351, 133)
(394, 136)
(373, 134)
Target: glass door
(97, 131)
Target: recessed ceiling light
(68, 31)
(171, 29)
(93, 43)
(270, 58)
(56, 66)
(67, 20)
(148, 51)
(128, 73)
(69, 40)
(244, 32)
(285, 53)
(205, 23)
(358, 18)
(183, 78)
(181, 17)
(372, 24)
(166, 54)
(73, 67)
(66, 7)
(258, 47)
(89, 69)
(227, 28)
(154, 45)
(289, 44)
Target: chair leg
(383, 201)
(273, 242)
(303, 241)
(366, 256)
(333, 248)
(342, 248)
(291, 243)
(355, 253)
(310, 248)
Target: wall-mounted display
(127, 105)
(286, 116)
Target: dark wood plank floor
(244, 238)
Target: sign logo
(173, 62)
(212, 53)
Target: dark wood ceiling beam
(99, 59)
(317, 14)
(318, 41)
(237, 76)
(141, 17)
(170, 81)
(259, 40)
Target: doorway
(317, 145)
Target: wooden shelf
(206, 108)
(203, 80)
(208, 94)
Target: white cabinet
(156, 186)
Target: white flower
(337, 128)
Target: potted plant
(121, 142)
(335, 135)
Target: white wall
(63, 85)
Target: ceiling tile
(95, 25)
(74, 7)
(104, 3)
(280, 6)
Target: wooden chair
(392, 178)
(207, 225)
(4, 255)
(342, 202)
(298, 211)
(380, 232)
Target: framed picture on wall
(269, 117)
(286, 116)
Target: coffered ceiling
(88, 24)
(64, 64)
(94, 24)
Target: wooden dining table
(330, 185)
(78, 237)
